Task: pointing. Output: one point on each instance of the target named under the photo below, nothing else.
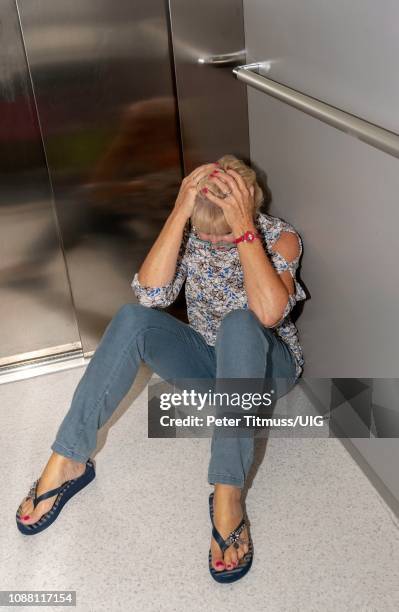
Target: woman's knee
(130, 323)
(130, 311)
(238, 323)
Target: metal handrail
(372, 134)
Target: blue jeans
(172, 349)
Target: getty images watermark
(236, 407)
(246, 401)
(310, 407)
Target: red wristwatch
(248, 236)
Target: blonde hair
(208, 217)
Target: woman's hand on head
(188, 190)
(239, 205)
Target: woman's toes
(30, 515)
(26, 519)
(230, 558)
(217, 556)
(25, 508)
(218, 564)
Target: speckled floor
(137, 537)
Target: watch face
(250, 236)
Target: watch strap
(248, 236)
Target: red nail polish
(204, 190)
(219, 563)
(24, 518)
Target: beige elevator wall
(342, 197)
(340, 193)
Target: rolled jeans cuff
(214, 478)
(66, 452)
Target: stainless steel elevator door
(212, 104)
(37, 315)
(102, 77)
(103, 81)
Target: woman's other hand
(188, 190)
(238, 206)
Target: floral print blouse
(215, 283)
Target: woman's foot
(58, 470)
(227, 515)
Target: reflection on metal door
(37, 315)
(93, 158)
(103, 84)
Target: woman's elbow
(272, 319)
(264, 317)
(270, 322)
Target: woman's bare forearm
(267, 295)
(159, 266)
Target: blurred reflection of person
(126, 196)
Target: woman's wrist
(240, 228)
(179, 215)
(176, 221)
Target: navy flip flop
(234, 536)
(67, 490)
